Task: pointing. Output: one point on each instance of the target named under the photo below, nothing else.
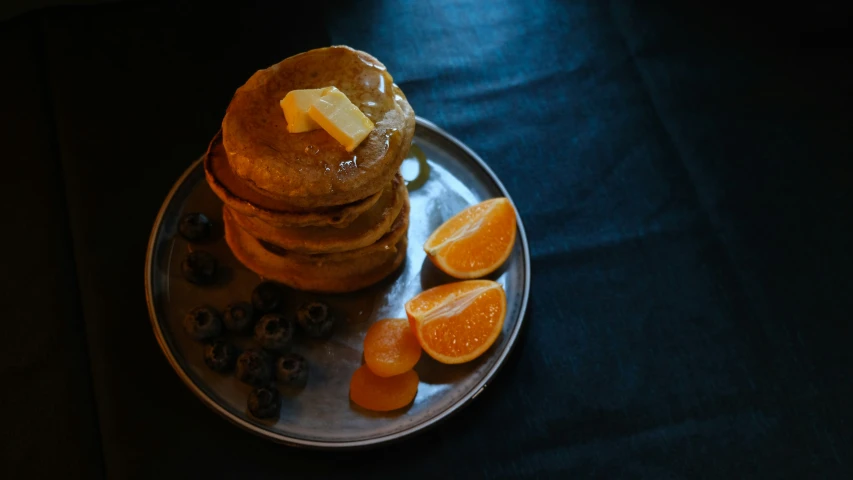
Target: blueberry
(203, 322)
(292, 370)
(199, 267)
(253, 367)
(220, 355)
(195, 227)
(238, 316)
(274, 332)
(264, 402)
(314, 318)
(267, 297)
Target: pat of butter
(338, 116)
(295, 105)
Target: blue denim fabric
(660, 341)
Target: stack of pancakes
(299, 208)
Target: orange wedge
(476, 241)
(458, 322)
(390, 347)
(382, 394)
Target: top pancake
(311, 169)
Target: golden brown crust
(239, 197)
(365, 230)
(399, 229)
(311, 169)
(333, 273)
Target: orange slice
(390, 347)
(457, 322)
(476, 241)
(382, 394)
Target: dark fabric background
(683, 174)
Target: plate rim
(325, 445)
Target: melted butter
(370, 89)
(347, 168)
(391, 134)
(370, 64)
(381, 87)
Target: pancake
(325, 279)
(399, 229)
(329, 273)
(311, 169)
(365, 230)
(238, 196)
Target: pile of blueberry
(263, 318)
(199, 267)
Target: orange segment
(382, 394)
(474, 242)
(457, 322)
(390, 347)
